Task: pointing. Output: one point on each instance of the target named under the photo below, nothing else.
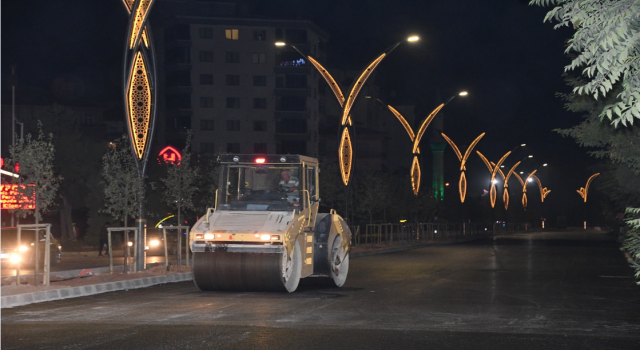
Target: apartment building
(224, 78)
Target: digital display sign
(13, 198)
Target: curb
(74, 292)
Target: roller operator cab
(265, 232)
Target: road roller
(264, 232)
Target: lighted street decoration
(139, 91)
(139, 68)
(345, 147)
(505, 197)
(170, 155)
(462, 183)
(583, 191)
(543, 191)
(493, 168)
(416, 172)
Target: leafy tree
(180, 181)
(372, 194)
(207, 182)
(606, 44)
(35, 157)
(123, 188)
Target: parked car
(24, 254)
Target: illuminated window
(231, 34)
(233, 125)
(259, 58)
(207, 147)
(260, 148)
(206, 124)
(233, 147)
(260, 103)
(259, 125)
(206, 79)
(232, 57)
(206, 102)
(259, 35)
(205, 33)
(206, 56)
(233, 102)
(259, 80)
(233, 80)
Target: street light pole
(140, 97)
(345, 146)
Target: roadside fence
(417, 232)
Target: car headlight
(154, 243)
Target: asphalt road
(526, 291)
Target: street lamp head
(413, 38)
(530, 179)
(463, 93)
(523, 144)
(530, 156)
(545, 164)
(280, 43)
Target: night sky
(499, 50)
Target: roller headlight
(23, 248)
(15, 258)
(154, 243)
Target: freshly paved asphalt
(525, 291)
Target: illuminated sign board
(13, 198)
(170, 155)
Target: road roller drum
(265, 232)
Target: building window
(205, 33)
(232, 57)
(206, 124)
(260, 103)
(291, 81)
(259, 35)
(206, 102)
(291, 126)
(206, 56)
(260, 148)
(233, 125)
(259, 58)
(291, 147)
(233, 148)
(206, 79)
(233, 102)
(233, 80)
(291, 103)
(259, 80)
(259, 125)
(231, 34)
(207, 147)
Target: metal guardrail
(412, 232)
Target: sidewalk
(79, 283)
